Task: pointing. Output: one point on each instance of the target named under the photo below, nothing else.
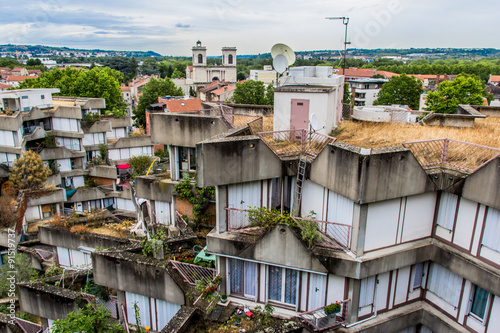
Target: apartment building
(365, 91)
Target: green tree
(132, 68)
(29, 172)
(150, 93)
(347, 94)
(178, 74)
(23, 272)
(403, 89)
(87, 320)
(34, 62)
(99, 82)
(251, 92)
(464, 89)
(270, 94)
(149, 67)
(140, 164)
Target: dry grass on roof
(377, 135)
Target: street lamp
(345, 21)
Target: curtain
(491, 237)
(275, 277)
(445, 284)
(236, 276)
(367, 291)
(291, 287)
(251, 279)
(447, 208)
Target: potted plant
(332, 308)
(223, 298)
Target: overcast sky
(172, 27)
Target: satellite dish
(284, 50)
(280, 63)
(313, 122)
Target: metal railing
(45, 255)
(111, 305)
(458, 155)
(192, 273)
(338, 234)
(28, 326)
(254, 122)
(179, 221)
(294, 142)
(320, 321)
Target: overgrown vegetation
(140, 165)
(7, 210)
(87, 319)
(149, 247)
(24, 272)
(198, 197)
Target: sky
(172, 27)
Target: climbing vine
(199, 197)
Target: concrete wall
(252, 110)
(235, 160)
(11, 123)
(184, 130)
(60, 153)
(62, 237)
(47, 301)
(137, 274)
(385, 173)
(103, 171)
(153, 188)
(44, 197)
(482, 186)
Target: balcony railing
(335, 235)
(192, 273)
(320, 321)
(294, 142)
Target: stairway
(297, 193)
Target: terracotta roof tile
(495, 78)
(223, 90)
(18, 78)
(181, 105)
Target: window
(42, 96)
(367, 86)
(243, 278)
(109, 202)
(187, 159)
(367, 291)
(445, 284)
(478, 302)
(446, 210)
(200, 58)
(230, 59)
(282, 285)
(417, 276)
(24, 97)
(491, 238)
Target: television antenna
(283, 57)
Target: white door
(317, 291)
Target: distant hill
(42, 49)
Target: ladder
(297, 193)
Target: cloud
(180, 25)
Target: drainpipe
(374, 313)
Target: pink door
(299, 115)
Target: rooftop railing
(192, 273)
(294, 142)
(458, 155)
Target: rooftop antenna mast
(345, 21)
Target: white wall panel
(403, 278)
(312, 199)
(114, 154)
(494, 323)
(144, 308)
(162, 211)
(64, 164)
(340, 208)
(7, 138)
(165, 311)
(465, 223)
(382, 291)
(419, 216)
(63, 256)
(32, 213)
(382, 224)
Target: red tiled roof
(18, 78)
(181, 105)
(365, 72)
(209, 87)
(5, 85)
(495, 78)
(222, 90)
(34, 71)
(125, 88)
(190, 68)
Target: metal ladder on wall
(297, 193)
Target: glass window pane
(250, 279)
(479, 302)
(236, 276)
(275, 283)
(291, 287)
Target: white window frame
(447, 209)
(283, 286)
(471, 302)
(422, 268)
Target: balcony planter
(333, 308)
(223, 298)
